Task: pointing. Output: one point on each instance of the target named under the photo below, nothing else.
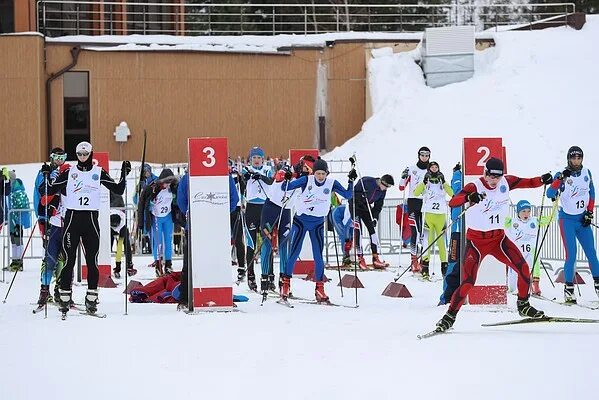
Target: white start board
(209, 228)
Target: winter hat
(522, 205)
(320, 165)
(256, 151)
(430, 164)
(572, 152)
(166, 175)
(494, 166)
(12, 175)
(387, 180)
(424, 151)
(575, 151)
(147, 168)
(84, 147)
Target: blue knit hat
(256, 151)
(522, 205)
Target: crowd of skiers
(274, 205)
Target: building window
(7, 16)
(76, 110)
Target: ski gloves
(587, 218)
(352, 175)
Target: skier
(4, 193)
(522, 230)
(154, 213)
(57, 159)
(53, 221)
(148, 178)
(489, 202)
(574, 186)
(369, 196)
(412, 176)
(82, 203)
(434, 189)
(121, 232)
(238, 221)
(275, 226)
(256, 175)
(312, 207)
(19, 219)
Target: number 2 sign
(478, 150)
(208, 156)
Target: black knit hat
(320, 165)
(494, 166)
(387, 180)
(575, 151)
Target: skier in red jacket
(489, 201)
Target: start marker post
(210, 232)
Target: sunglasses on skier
(82, 154)
(385, 184)
(58, 157)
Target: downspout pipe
(75, 56)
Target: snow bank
(537, 90)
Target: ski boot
(252, 283)
(130, 270)
(596, 285)
(158, 268)
(415, 265)
(321, 296)
(56, 293)
(264, 286)
(443, 269)
(362, 264)
(168, 267)
(117, 270)
(64, 301)
(377, 263)
(424, 269)
(446, 321)
(91, 301)
(271, 283)
(534, 287)
(346, 262)
(526, 310)
(44, 295)
(240, 275)
(569, 295)
(285, 290)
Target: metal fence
(63, 17)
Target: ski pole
(22, 256)
(401, 227)
(536, 252)
(46, 241)
(555, 202)
(352, 160)
(337, 257)
(433, 242)
(125, 243)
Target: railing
(62, 17)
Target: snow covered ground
(538, 90)
(310, 351)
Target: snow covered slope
(538, 90)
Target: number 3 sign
(208, 156)
(478, 150)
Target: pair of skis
(546, 318)
(286, 303)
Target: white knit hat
(84, 147)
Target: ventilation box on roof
(448, 54)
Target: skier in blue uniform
(312, 207)
(574, 186)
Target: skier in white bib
(82, 202)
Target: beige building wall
(22, 94)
